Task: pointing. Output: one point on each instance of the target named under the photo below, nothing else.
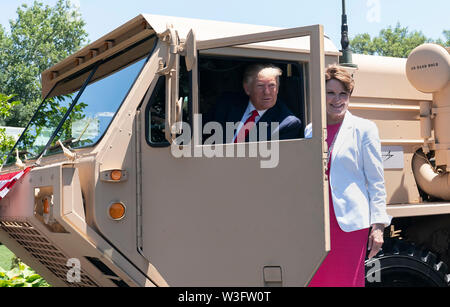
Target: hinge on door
(188, 49)
(138, 140)
(171, 37)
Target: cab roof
(146, 25)
(210, 29)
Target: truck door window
(155, 114)
(223, 77)
(217, 77)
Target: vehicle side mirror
(170, 68)
(189, 50)
(174, 104)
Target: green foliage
(394, 42)
(6, 258)
(6, 104)
(40, 37)
(446, 43)
(6, 142)
(21, 276)
(14, 273)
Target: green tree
(40, 37)
(394, 42)
(446, 43)
(6, 142)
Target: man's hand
(375, 239)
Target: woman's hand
(375, 239)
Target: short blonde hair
(252, 72)
(338, 73)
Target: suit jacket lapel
(234, 115)
(270, 114)
(268, 117)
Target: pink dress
(344, 264)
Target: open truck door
(208, 219)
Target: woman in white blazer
(356, 185)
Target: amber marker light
(117, 211)
(116, 175)
(46, 206)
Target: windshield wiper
(65, 143)
(71, 140)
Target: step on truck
(122, 189)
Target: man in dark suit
(259, 115)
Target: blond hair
(254, 70)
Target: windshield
(96, 107)
(34, 139)
(81, 118)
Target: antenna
(346, 58)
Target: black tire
(401, 264)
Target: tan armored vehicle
(114, 197)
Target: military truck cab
(125, 189)
(114, 194)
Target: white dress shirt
(247, 114)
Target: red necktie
(245, 130)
